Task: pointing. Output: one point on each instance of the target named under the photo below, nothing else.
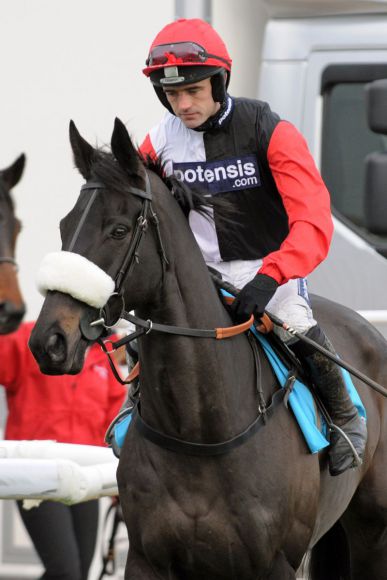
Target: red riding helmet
(185, 52)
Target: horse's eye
(119, 232)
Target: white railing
(58, 471)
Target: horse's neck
(194, 387)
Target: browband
(147, 194)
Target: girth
(206, 449)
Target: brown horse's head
(12, 308)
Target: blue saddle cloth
(300, 401)
(120, 430)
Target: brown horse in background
(253, 510)
(12, 307)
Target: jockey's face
(193, 104)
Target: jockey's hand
(254, 297)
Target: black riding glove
(254, 297)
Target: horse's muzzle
(10, 316)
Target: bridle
(147, 214)
(93, 329)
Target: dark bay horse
(12, 307)
(250, 513)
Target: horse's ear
(82, 150)
(11, 176)
(123, 148)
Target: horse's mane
(187, 198)
(108, 171)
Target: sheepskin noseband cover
(73, 274)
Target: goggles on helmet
(180, 53)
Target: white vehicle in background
(323, 65)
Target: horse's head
(12, 308)
(111, 229)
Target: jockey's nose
(184, 101)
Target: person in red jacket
(68, 409)
(239, 149)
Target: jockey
(239, 148)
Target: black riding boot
(328, 380)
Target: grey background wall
(82, 61)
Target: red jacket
(67, 408)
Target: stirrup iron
(357, 460)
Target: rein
(147, 326)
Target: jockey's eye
(119, 232)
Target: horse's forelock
(108, 171)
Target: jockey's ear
(83, 152)
(11, 176)
(124, 150)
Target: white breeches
(290, 302)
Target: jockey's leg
(292, 306)
(290, 303)
(328, 380)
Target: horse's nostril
(56, 348)
(5, 308)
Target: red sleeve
(307, 204)
(15, 355)
(147, 150)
